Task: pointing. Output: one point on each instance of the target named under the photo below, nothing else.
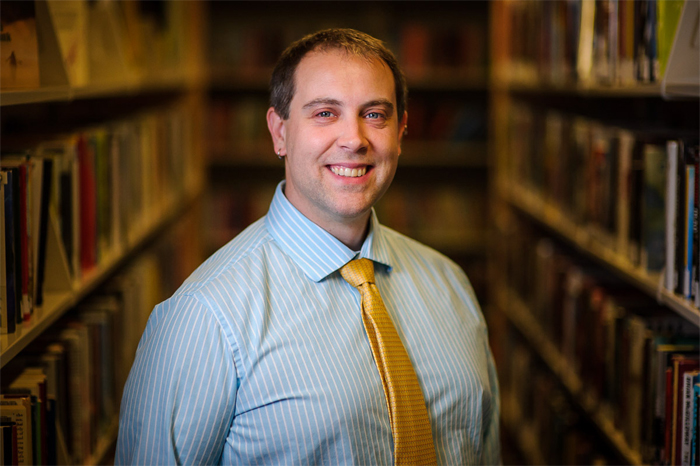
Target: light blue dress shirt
(261, 357)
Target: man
(269, 354)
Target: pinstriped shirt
(261, 357)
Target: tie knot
(358, 272)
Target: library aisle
(552, 152)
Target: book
(11, 248)
(689, 213)
(19, 411)
(670, 210)
(681, 365)
(7, 313)
(42, 228)
(8, 441)
(690, 379)
(694, 453)
(681, 218)
(654, 205)
(668, 16)
(19, 49)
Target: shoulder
(428, 269)
(230, 261)
(408, 252)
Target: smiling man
(319, 336)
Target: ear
(276, 125)
(403, 128)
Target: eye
(324, 114)
(374, 115)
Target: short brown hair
(354, 42)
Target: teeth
(351, 172)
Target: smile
(349, 172)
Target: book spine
(696, 425)
(671, 187)
(7, 317)
(688, 259)
(11, 264)
(687, 418)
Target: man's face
(342, 138)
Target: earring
(278, 154)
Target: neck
(352, 234)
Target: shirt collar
(315, 251)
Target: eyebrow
(381, 102)
(322, 101)
(334, 102)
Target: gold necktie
(410, 426)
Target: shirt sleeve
(179, 399)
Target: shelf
(583, 90)
(57, 304)
(582, 238)
(165, 83)
(521, 317)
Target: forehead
(336, 70)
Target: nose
(352, 137)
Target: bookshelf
(102, 157)
(573, 219)
(442, 47)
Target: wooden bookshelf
(57, 304)
(577, 89)
(521, 317)
(580, 236)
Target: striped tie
(410, 426)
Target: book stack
(627, 355)
(75, 202)
(549, 428)
(603, 42)
(59, 400)
(633, 191)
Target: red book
(681, 365)
(88, 205)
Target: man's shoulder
(406, 248)
(231, 259)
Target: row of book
(97, 42)
(83, 198)
(423, 48)
(629, 353)
(59, 399)
(633, 190)
(534, 403)
(617, 42)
